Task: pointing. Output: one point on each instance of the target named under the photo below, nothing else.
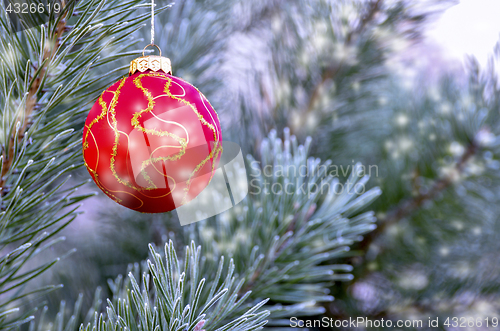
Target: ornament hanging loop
(152, 23)
(151, 45)
(151, 62)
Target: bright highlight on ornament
(152, 141)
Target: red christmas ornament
(152, 141)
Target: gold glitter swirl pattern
(217, 148)
(95, 120)
(111, 109)
(96, 175)
(135, 123)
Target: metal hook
(151, 45)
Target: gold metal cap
(150, 62)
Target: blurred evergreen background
(360, 79)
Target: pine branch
(373, 8)
(31, 99)
(436, 227)
(330, 73)
(287, 243)
(42, 107)
(169, 295)
(315, 94)
(285, 246)
(406, 208)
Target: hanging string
(152, 22)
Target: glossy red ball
(152, 142)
